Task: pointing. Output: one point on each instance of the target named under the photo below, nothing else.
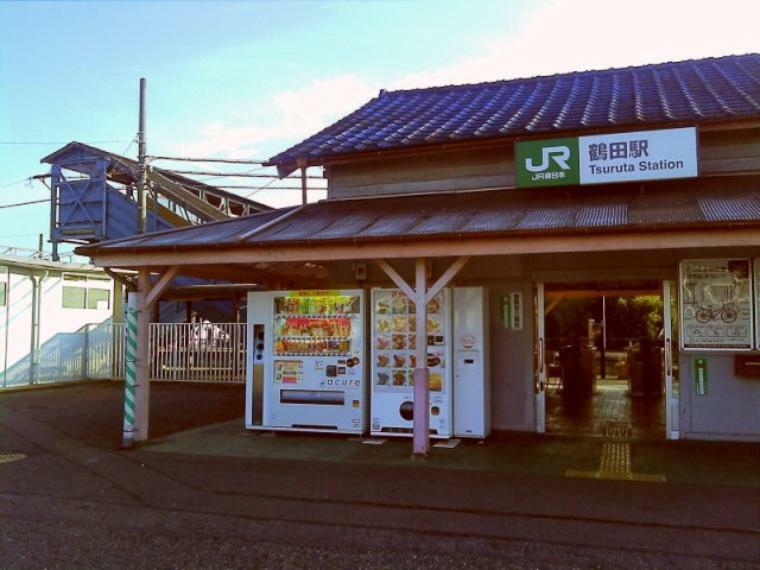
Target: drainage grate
(11, 457)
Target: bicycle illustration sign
(716, 309)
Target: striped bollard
(130, 375)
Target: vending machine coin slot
(258, 375)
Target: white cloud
(562, 36)
(295, 115)
(556, 36)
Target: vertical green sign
(506, 311)
(552, 162)
(700, 376)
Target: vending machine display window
(314, 325)
(395, 341)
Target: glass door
(539, 358)
(670, 368)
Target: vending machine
(472, 414)
(306, 361)
(393, 362)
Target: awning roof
(711, 203)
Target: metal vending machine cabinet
(306, 361)
(472, 417)
(393, 363)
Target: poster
(716, 306)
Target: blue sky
(248, 79)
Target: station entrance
(608, 366)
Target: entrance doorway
(607, 359)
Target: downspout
(37, 282)
(7, 323)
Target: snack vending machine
(306, 361)
(393, 363)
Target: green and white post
(130, 377)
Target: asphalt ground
(76, 501)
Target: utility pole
(142, 181)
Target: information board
(716, 304)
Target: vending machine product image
(393, 363)
(306, 361)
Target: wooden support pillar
(142, 355)
(421, 372)
(420, 295)
(137, 385)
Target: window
(80, 292)
(74, 297)
(3, 294)
(98, 299)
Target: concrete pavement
(76, 502)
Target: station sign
(603, 159)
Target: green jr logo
(547, 162)
(560, 155)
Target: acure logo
(559, 154)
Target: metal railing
(105, 349)
(198, 352)
(179, 352)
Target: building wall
(55, 322)
(731, 408)
(729, 411)
(443, 170)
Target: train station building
(479, 247)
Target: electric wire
(17, 204)
(53, 142)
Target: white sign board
(716, 307)
(642, 155)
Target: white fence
(198, 352)
(179, 352)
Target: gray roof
(686, 92)
(716, 202)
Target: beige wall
(451, 170)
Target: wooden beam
(447, 276)
(591, 293)
(514, 245)
(396, 278)
(160, 286)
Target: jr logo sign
(547, 162)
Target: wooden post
(142, 355)
(304, 198)
(421, 389)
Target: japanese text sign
(599, 159)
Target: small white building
(44, 306)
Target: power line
(244, 187)
(236, 174)
(2, 206)
(225, 160)
(16, 182)
(58, 142)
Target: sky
(249, 79)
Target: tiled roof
(716, 202)
(689, 92)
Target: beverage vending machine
(306, 361)
(472, 414)
(393, 363)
